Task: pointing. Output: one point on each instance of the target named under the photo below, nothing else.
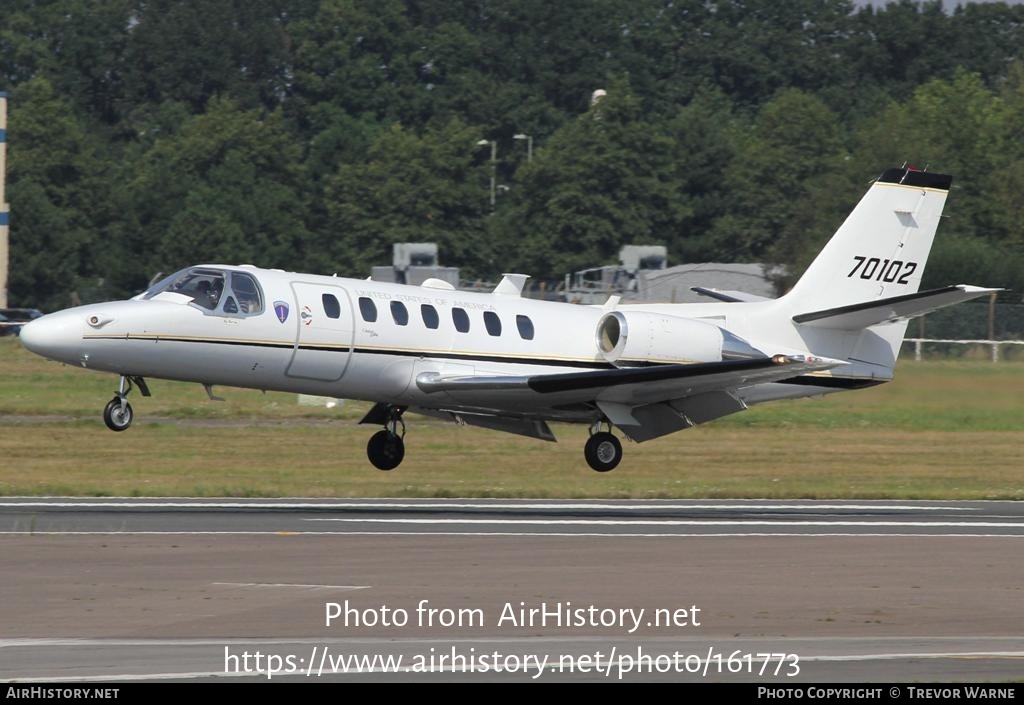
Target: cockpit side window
(248, 294)
(206, 288)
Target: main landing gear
(118, 414)
(386, 449)
(603, 451)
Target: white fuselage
(348, 355)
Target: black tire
(603, 452)
(385, 450)
(115, 418)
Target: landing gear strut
(386, 449)
(118, 414)
(603, 451)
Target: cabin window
(230, 306)
(525, 326)
(331, 306)
(461, 320)
(430, 318)
(248, 294)
(367, 309)
(400, 313)
(492, 323)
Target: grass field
(944, 429)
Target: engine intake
(626, 338)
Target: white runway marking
(513, 534)
(469, 505)
(672, 522)
(605, 664)
(912, 655)
(296, 585)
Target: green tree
(193, 51)
(749, 49)
(355, 55)
(57, 179)
(788, 187)
(704, 152)
(429, 187)
(1005, 182)
(950, 126)
(227, 187)
(606, 179)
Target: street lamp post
(4, 208)
(529, 144)
(494, 167)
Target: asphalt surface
(183, 589)
(486, 517)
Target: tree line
(146, 135)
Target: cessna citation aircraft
(512, 364)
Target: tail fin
(879, 252)
(881, 249)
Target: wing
(645, 402)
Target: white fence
(993, 344)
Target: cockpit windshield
(228, 293)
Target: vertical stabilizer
(879, 252)
(881, 249)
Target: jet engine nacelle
(624, 338)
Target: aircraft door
(325, 330)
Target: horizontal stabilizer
(896, 308)
(728, 296)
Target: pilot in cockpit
(215, 291)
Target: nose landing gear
(118, 414)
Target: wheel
(385, 450)
(116, 418)
(603, 452)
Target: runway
(644, 518)
(181, 589)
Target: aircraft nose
(56, 336)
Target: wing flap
(534, 428)
(871, 313)
(662, 418)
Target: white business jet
(513, 364)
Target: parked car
(12, 319)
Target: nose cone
(57, 336)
